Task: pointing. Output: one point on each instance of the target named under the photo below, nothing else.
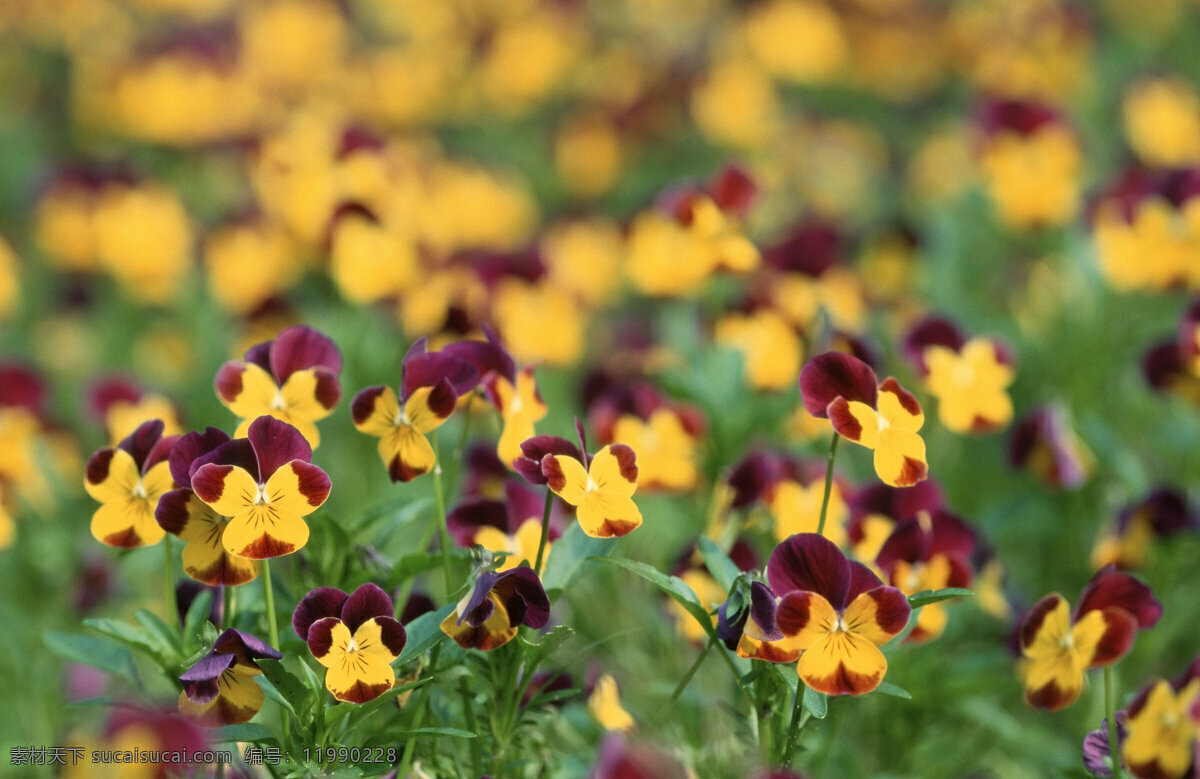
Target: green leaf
(677, 588)
(816, 703)
(424, 633)
(284, 687)
(895, 690)
(165, 633)
(196, 615)
(411, 565)
(568, 555)
(249, 732)
(452, 732)
(95, 652)
(537, 652)
(127, 634)
(552, 697)
(724, 570)
(925, 597)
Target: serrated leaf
(677, 588)
(285, 688)
(815, 703)
(925, 597)
(248, 732)
(895, 690)
(568, 555)
(165, 633)
(95, 652)
(424, 633)
(723, 570)
(129, 635)
(197, 613)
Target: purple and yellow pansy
(182, 513)
(430, 386)
(601, 490)
(266, 484)
(883, 417)
(354, 636)
(1045, 444)
(1059, 644)
(512, 526)
(830, 612)
(293, 378)
(1163, 725)
(220, 688)
(128, 479)
(497, 605)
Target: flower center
(1067, 641)
(261, 498)
(592, 486)
(277, 403)
(139, 490)
(352, 647)
(884, 424)
(516, 405)
(963, 375)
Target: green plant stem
(1110, 708)
(171, 615)
(418, 718)
(828, 484)
(687, 677)
(227, 606)
(789, 747)
(443, 530)
(537, 566)
(269, 595)
(472, 725)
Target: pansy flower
(876, 508)
(1045, 444)
(354, 636)
(512, 526)
(601, 491)
(1162, 513)
(1060, 644)
(534, 450)
(1163, 724)
(182, 513)
(430, 385)
(667, 449)
(883, 417)
(604, 704)
(128, 479)
(266, 484)
(220, 688)
(930, 551)
(834, 611)
(969, 377)
(122, 406)
(293, 378)
(497, 605)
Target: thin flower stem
(789, 748)
(537, 566)
(687, 677)
(1110, 708)
(443, 530)
(226, 606)
(472, 725)
(171, 614)
(419, 717)
(269, 595)
(828, 484)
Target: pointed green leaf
(568, 555)
(724, 570)
(896, 691)
(285, 688)
(248, 732)
(166, 634)
(677, 588)
(925, 597)
(536, 653)
(816, 703)
(424, 633)
(133, 637)
(95, 652)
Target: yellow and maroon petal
(1104, 637)
(855, 421)
(111, 475)
(299, 348)
(311, 393)
(1048, 621)
(899, 406)
(1110, 588)
(406, 453)
(246, 389)
(784, 650)
(157, 481)
(607, 515)
(566, 477)
(832, 375)
(359, 666)
(808, 561)
(126, 524)
(495, 632)
(878, 614)
(367, 602)
(428, 407)
(614, 470)
(842, 663)
(805, 617)
(275, 443)
(298, 487)
(375, 410)
(240, 698)
(900, 458)
(317, 604)
(262, 532)
(228, 489)
(183, 514)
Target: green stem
(472, 725)
(828, 484)
(172, 613)
(419, 717)
(537, 566)
(443, 530)
(789, 748)
(269, 595)
(227, 606)
(687, 677)
(1110, 708)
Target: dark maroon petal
(811, 249)
(521, 592)
(98, 465)
(141, 442)
(1120, 627)
(479, 607)
(1163, 365)
(896, 502)
(160, 453)
(418, 603)
(733, 190)
(320, 636)
(430, 368)
(171, 513)
(807, 561)
(1167, 511)
(907, 542)
(200, 682)
(522, 504)
(245, 647)
(191, 446)
(366, 602)
(1112, 589)
(328, 390)
(276, 443)
(392, 634)
(260, 355)
(312, 482)
(535, 450)
(831, 375)
(470, 515)
(750, 478)
(1023, 117)
(794, 612)
(442, 399)
(20, 387)
(931, 331)
(744, 556)
(626, 461)
(583, 448)
(228, 381)
(237, 452)
(950, 535)
(891, 608)
(363, 404)
(762, 610)
(862, 579)
(907, 400)
(1032, 622)
(300, 347)
(487, 357)
(107, 391)
(731, 626)
(961, 571)
(553, 474)
(318, 604)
